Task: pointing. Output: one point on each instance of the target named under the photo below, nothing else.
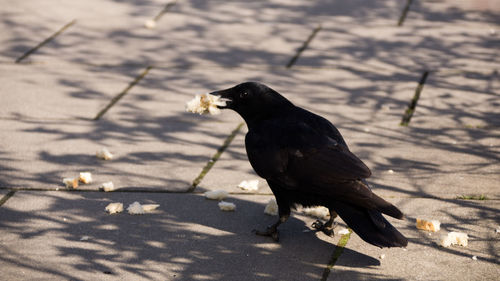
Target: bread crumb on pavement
(107, 186)
(317, 212)
(227, 206)
(85, 177)
(216, 194)
(70, 182)
(251, 185)
(271, 207)
(114, 208)
(104, 154)
(454, 238)
(429, 225)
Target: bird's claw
(270, 231)
(318, 225)
(325, 228)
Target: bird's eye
(243, 95)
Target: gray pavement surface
(360, 71)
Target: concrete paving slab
(191, 32)
(166, 153)
(459, 99)
(445, 162)
(68, 235)
(423, 259)
(59, 91)
(435, 34)
(27, 23)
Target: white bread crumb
(84, 238)
(474, 258)
(431, 225)
(343, 231)
(104, 154)
(454, 238)
(85, 177)
(382, 256)
(107, 186)
(150, 207)
(252, 185)
(113, 208)
(271, 207)
(150, 24)
(135, 209)
(317, 212)
(390, 171)
(70, 182)
(205, 103)
(216, 194)
(226, 206)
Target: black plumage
(306, 161)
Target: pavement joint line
(115, 99)
(164, 10)
(135, 191)
(150, 190)
(405, 121)
(304, 46)
(339, 248)
(47, 40)
(7, 197)
(216, 157)
(404, 12)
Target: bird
(306, 161)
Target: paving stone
(459, 99)
(164, 153)
(68, 235)
(423, 259)
(435, 35)
(59, 91)
(190, 33)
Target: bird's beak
(223, 97)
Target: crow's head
(253, 101)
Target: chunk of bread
(227, 206)
(85, 177)
(135, 209)
(205, 103)
(343, 231)
(107, 186)
(114, 208)
(70, 182)
(271, 207)
(431, 225)
(454, 238)
(150, 24)
(317, 212)
(150, 207)
(104, 154)
(252, 185)
(216, 194)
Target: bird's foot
(326, 228)
(271, 231)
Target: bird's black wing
(300, 156)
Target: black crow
(306, 161)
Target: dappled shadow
(360, 72)
(188, 238)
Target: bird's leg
(327, 227)
(272, 230)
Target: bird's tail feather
(370, 225)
